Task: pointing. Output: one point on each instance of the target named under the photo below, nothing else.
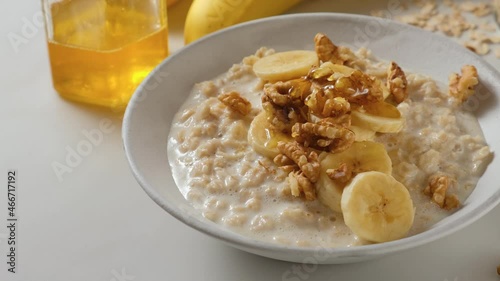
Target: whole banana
(207, 16)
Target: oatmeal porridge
(282, 149)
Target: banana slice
(361, 156)
(377, 208)
(262, 138)
(285, 65)
(380, 117)
(363, 134)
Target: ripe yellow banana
(207, 16)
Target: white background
(98, 224)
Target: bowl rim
(246, 242)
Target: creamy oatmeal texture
(221, 175)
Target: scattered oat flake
(452, 22)
(481, 37)
(482, 13)
(430, 27)
(494, 39)
(411, 19)
(477, 47)
(478, 36)
(485, 26)
(468, 6)
(428, 10)
(478, 9)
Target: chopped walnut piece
(498, 270)
(299, 184)
(307, 162)
(326, 50)
(397, 83)
(236, 102)
(462, 86)
(342, 174)
(437, 188)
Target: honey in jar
(101, 50)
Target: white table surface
(98, 224)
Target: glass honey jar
(101, 50)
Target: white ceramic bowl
(149, 114)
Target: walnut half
(236, 102)
(437, 189)
(462, 86)
(326, 50)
